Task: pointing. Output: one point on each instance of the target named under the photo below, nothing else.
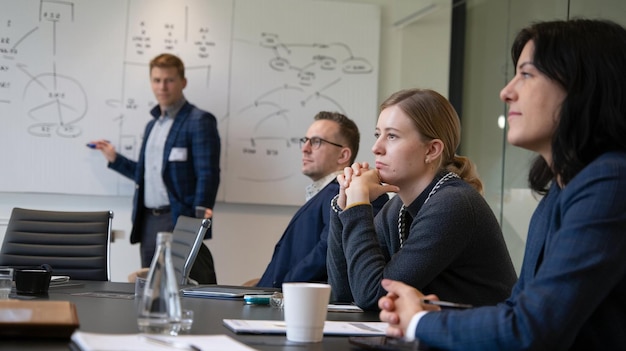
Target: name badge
(178, 154)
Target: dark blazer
(300, 254)
(189, 183)
(572, 286)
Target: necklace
(402, 215)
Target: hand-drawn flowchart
(77, 70)
(54, 102)
(295, 74)
(309, 70)
(74, 71)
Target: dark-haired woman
(567, 103)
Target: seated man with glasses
(331, 144)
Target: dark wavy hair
(588, 59)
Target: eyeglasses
(316, 142)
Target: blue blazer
(571, 293)
(190, 183)
(300, 254)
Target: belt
(158, 211)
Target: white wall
(244, 235)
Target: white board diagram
(74, 71)
(77, 70)
(301, 67)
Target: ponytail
(465, 169)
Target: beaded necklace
(402, 214)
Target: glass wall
(491, 26)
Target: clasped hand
(360, 184)
(400, 304)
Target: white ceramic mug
(305, 306)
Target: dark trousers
(152, 224)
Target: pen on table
(171, 343)
(446, 304)
(93, 146)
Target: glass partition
(491, 26)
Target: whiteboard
(74, 71)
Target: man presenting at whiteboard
(178, 166)
(331, 144)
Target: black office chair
(192, 260)
(76, 244)
(186, 244)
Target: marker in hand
(93, 145)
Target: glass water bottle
(159, 307)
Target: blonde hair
(168, 61)
(435, 118)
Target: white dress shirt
(315, 187)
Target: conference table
(110, 307)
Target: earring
(427, 160)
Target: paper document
(330, 327)
(136, 342)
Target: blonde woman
(438, 234)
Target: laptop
(226, 291)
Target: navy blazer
(300, 254)
(571, 293)
(190, 183)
